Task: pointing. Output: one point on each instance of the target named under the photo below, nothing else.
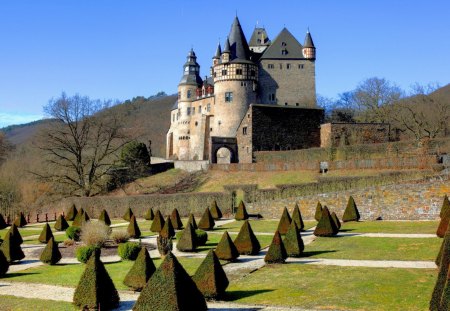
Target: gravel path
(365, 263)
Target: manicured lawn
(335, 288)
(12, 303)
(391, 226)
(23, 233)
(365, 248)
(268, 226)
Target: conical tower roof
(238, 43)
(308, 41)
(218, 51)
(226, 48)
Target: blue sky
(112, 49)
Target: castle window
(283, 44)
(196, 123)
(189, 94)
(239, 71)
(243, 83)
(281, 66)
(188, 111)
(285, 104)
(193, 110)
(224, 72)
(272, 97)
(270, 66)
(228, 97)
(300, 66)
(244, 130)
(248, 116)
(248, 150)
(284, 52)
(210, 129)
(200, 109)
(252, 73)
(297, 104)
(288, 66)
(208, 107)
(215, 74)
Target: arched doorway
(223, 149)
(223, 155)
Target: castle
(260, 95)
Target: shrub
(128, 214)
(133, 228)
(285, 222)
(4, 264)
(445, 206)
(442, 276)
(336, 220)
(176, 220)
(141, 271)
(158, 222)
(443, 224)
(192, 221)
(241, 213)
(61, 224)
(3, 223)
(351, 212)
(94, 233)
(326, 226)
(246, 242)
(119, 236)
(11, 248)
(20, 220)
(69, 242)
(164, 245)
(46, 234)
(276, 252)
(167, 231)
(81, 218)
(226, 250)
(293, 242)
(51, 254)
(95, 288)
(104, 217)
(72, 213)
(149, 215)
(15, 234)
(445, 299)
(170, 288)
(129, 250)
(216, 213)
(73, 233)
(83, 253)
(201, 236)
(297, 218)
(210, 278)
(188, 240)
(318, 213)
(207, 221)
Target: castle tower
(216, 58)
(309, 50)
(259, 41)
(235, 79)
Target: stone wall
(192, 166)
(342, 134)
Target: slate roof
(238, 44)
(261, 34)
(308, 41)
(287, 42)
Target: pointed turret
(238, 44)
(216, 57)
(191, 72)
(226, 52)
(309, 50)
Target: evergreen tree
(210, 277)
(170, 289)
(46, 234)
(133, 228)
(226, 250)
(326, 226)
(167, 231)
(215, 210)
(149, 215)
(176, 220)
(246, 242)
(277, 252)
(11, 248)
(72, 213)
(96, 290)
(3, 223)
(15, 234)
(158, 222)
(51, 254)
(141, 271)
(336, 220)
(188, 240)
(61, 224)
(351, 212)
(128, 214)
(20, 220)
(241, 213)
(445, 206)
(105, 217)
(192, 221)
(285, 222)
(297, 218)
(318, 213)
(442, 276)
(293, 242)
(206, 222)
(4, 264)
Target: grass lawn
(268, 226)
(69, 275)
(336, 288)
(364, 248)
(391, 226)
(23, 233)
(12, 303)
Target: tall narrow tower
(309, 50)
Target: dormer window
(284, 52)
(283, 43)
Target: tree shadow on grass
(314, 253)
(238, 294)
(17, 274)
(346, 230)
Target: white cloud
(17, 118)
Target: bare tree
(5, 147)
(82, 143)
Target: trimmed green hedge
(129, 250)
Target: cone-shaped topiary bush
(167, 231)
(72, 213)
(51, 254)
(15, 234)
(336, 220)
(442, 276)
(96, 290)
(443, 224)
(241, 213)
(170, 289)
(277, 252)
(4, 264)
(141, 271)
(216, 213)
(128, 214)
(158, 222)
(293, 242)
(445, 299)
(188, 240)
(3, 223)
(437, 261)
(326, 226)
(226, 250)
(81, 218)
(445, 206)
(246, 242)
(192, 221)
(176, 220)
(149, 215)
(46, 234)
(61, 224)
(11, 248)
(285, 222)
(206, 222)
(318, 213)
(105, 217)
(210, 278)
(351, 212)
(133, 228)
(20, 220)
(297, 218)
